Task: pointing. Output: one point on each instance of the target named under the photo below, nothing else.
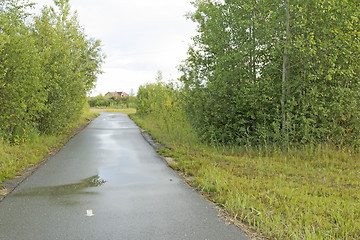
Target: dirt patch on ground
(10, 185)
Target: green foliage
(162, 104)
(47, 65)
(281, 75)
(99, 101)
(294, 193)
(119, 102)
(270, 72)
(20, 77)
(161, 100)
(70, 65)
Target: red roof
(124, 94)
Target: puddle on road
(64, 190)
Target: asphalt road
(109, 183)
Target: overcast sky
(139, 38)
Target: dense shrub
(112, 102)
(47, 66)
(274, 72)
(162, 104)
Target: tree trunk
(285, 72)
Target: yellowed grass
(125, 110)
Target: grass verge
(118, 110)
(17, 158)
(303, 193)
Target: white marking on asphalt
(89, 213)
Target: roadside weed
(301, 193)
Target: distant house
(116, 94)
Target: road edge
(222, 213)
(10, 185)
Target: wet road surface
(109, 183)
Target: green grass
(118, 110)
(14, 159)
(300, 193)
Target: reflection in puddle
(64, 190)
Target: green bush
(47, 66)
(120, 102)
(274, 72)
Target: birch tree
(262, 71)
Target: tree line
(112, 102)
(47, 66)
(273, 72)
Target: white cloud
(139, 37)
